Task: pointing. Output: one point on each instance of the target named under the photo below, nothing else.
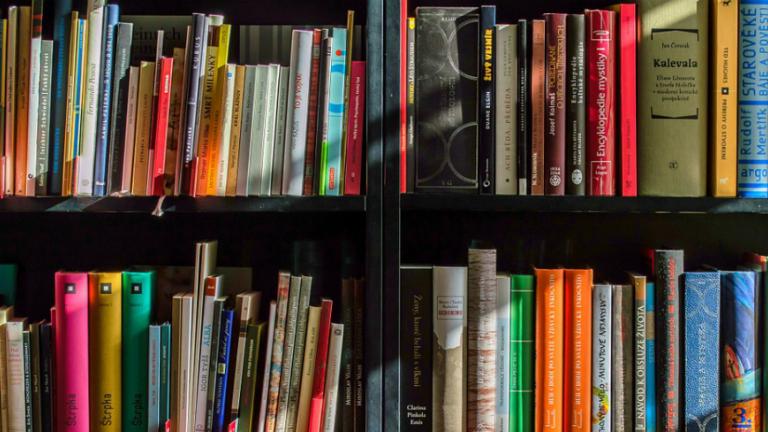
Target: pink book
(627, 106)
(353, 170)
(71, 335)
(321, 362)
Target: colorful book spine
(138, 292)
(741, 398)
(622, 371)
(521, 351)
(723, 93)
(289, 349)
(626, 106)
(523, 107)
(218, 182)
(641, 357)
(550, 334)
(315, 421)
(353, 162)
(668, 269)
(237, 124)
(578, 350)
(278, 348)
(112, 16)
(701, 351)
(222, 369)
(22, 98)
(331, 151)
(330, 404)
(601, 358)
(61, 36)
(575, 111)
(650, 354)
(486, 146)
(554, 104)
(77, 105)
(416, 349)
(481, 338)
(296, 120)
(162, 111)
(538, 89)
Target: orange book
(578, 350)
(550, 335)
(22, 98)
(537, 107)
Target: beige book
(218, 176)
(130, 129)
(174, 119)
(185, 385)
(332, 371)
(10, 99)
(143, 122)
(22, 97)
(308, 372)
(205, 134)
(6, 313)
(234, 141)
(14, 348)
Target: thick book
(297, 112)
(446, 116)
(537, 47)
(330, 404)
(222, 370)
(278, 350)
(672, 150)
(119, 101)
(138, 292)
(601, 358)
(578, 349)
(481, 338)
(353, 160)
(308, 368)
(521, 352)
(14, 345)
(650, 354)
(701, 351)
(315, 420)
(43, 177)
(622, 395)
(486, 116)
(550, 334)
(22, 98)
(289, 348)
(554, 105)
(105, 348)
(640, 336)
(61, 30)
(297, 369)
(575, 106)
(601, 105)
(523, 107)
(312, 114)
(741, 393)
(104, 95)
(331, 176)
(503, 284)
(72, 372)
(668, 267)
(90, 105)
(626, 105)
(160, 138)
(506, 109)
(416, 348)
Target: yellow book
(3, 59)
(234, 141)
(724, 96)
(206, 112)
(10, 104)
(308, 369)
(22, 98)
(140, 178)
(174, 120)
(68, 157)
(6, 313)
(222, 55)
(105, 350)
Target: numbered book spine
(538, 95)
(554, 105)
(621, 358)
(575, 108)
(506, 109)
(61, 36)
(43, 178)
(296, 115)
(416, 349)
(481, 338)
(601, 358)
(578, 350)
(486, 109)
(138, 289)
(668, 269)
(112, 15)
(641, 352)
(723, 92)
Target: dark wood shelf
(573, 204)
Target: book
(457, 120)
(297, 369)
(265, 366)
(601, 358)
(90, 104)
(554, 104)
(138, 292)
(205, 138)
(308, 368)
(650, 354)
(668, 267)
(119, 100)
(549, 348)
(72, 153)
(237, 123)
(672, 150)
(207, 350)
(8, 283)
(187, 142)
(153, 374)
(416, 348)
(449, 359)
(486, 145)
(321, 134)
(278, 350)
(27, 368)
(246, 310)
(289, 348)
(182, 363)
(104, 95)
(35, 56)
(10, 66)
(3, 60)
(408, 161)
(126, 177)
(280, 133)
(222, 369)
(506, 94)
(160, 139)
(246, 131)
(503, 285)
(297, 112)
(330, 404)
(642, 330)
(701, 351)
(215, 333)
(14, 345)
(577, 349)
(600, 103)
(144, 100)
(315, 420)
(523, 107)
(6, 313)
(24, 36)
(312, 115)
(347, 392)
(35, 371)
(46, 376)
(521, 351)
(71, 334)
(105, 349)
(61, 35)
(741, 397)
(622, 361)
(44, 108)
(537, 70)
(253, 360)
(358, 352)
(331, 176)
(165, 372)
(353, 160)
(626, 104)
(174, 122)
(575, 107)
(255, 163)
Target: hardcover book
(308, 368)
(626, 105)
(278, 349)
(296, 115)
(601, 358)
(416, 348)
(331, 176)
(487, 110)
(138, 292)
(289, 349)
(538, 94)
(104, 95)
(506, 70)
(481, 339)
(119, 100)
(575, 112)
(315, 420)
(622, 332)
(554, 105)
(330, 404)
(668, 269)
(650, 355)
(61, 36)
(502, 351)
(297, 369)
(550, 334)
(523, 107)
(640, 288)
(578, 350)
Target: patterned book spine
(578, 350)
(626, 116)
(521, 367)
(523, 108)
(741, 382)
(650, 355)
(276, 368)
(288, 352)
(538, 90)
(549, 349)
(575, 114)
(481, 340)
(506, 109)
(668, 269)
(353, 163)
(621, 358)
(723, 94)
(416, 349)
(701, 311)
(486, 110)
(554, 104)
(61, 28)
(601, 358)
(640, 290)
(298, 110)
(112, 15)
(44, 110)
(502, 352)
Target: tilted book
(601, 358)
(578, 350)
(481, 339)
(550, 334)
(554, 105)
(246, 312)
(575, 108)
(296, 114)
(668, 267)
(222, 370)
(521, 351)
(416, 348)
(119, 100)
(486, 117)
(138, 292)
(622, 333)
(506, 94)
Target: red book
(554, 128)
(321, 361)
(538, 90)
(353, 170)
(71, 336)
(314, 83)
(404, 96)
(601, 129)
(627, 106)
(157, 186)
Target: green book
(165, 371)
(8, 284)
(138, 290)
(248, 405)
(521, 347)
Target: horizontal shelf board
(150, 205)
(574, 204)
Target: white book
(90, 114)
(14, 344)
(270, 123)
(205, 262)
(257, 131)
(506, 109)
(226, 129)
(330, 405)
(35, 51)
(601, 358)
(502, 352)
(212, 291)
(297, 113)
(153, 384)
(261, 425)
(185, 363)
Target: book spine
(297, 368)
(218, 307)
(225, 132)
(9, 135)
(521, 351)
(321, 136)
(35, 47)
(117, 126)
(621, 358)
(237, 125)
(312, 114)
(549, 349)
(264, 366)
(276, 77)
(358, 350)
(701, 350)
(481, 339)
(668, 269)
(353, 162)
(112, 15)
(506, 109)
(486, 112)
(87, 147)
(77, 105)
(44, 111)
(153, 383)
(165, 67)
(289, 348)
(27, 360)
(331, 151)
(523, 107)
(34, 365)
(626, 76)
(409, 155)
(502, 352)
(741, 398)
(132, 97)
(138, 292)
(225, 345)
(68, 155)
(174, 121)
(22, 98)
(650, 354)
(245, 415)
(144, 100)
(308, 368)
(601, 358)
(14, 344)
(416, 349)
(601, 129)
(246, 129)
(244, 316)
(298, 109)
(538, 93)
(165, 373)
(46, 377)
(276, 368)
(723, 93)
(330, 403)
(641, 353)
(278, 155)
(578, 350)
(403, 96)
(204, 129)
(3, 60)
(554, 104)
(187, 142)
(347, 392)
(315, 420)
(257, 132)
(206, 349)
(575, 113)
(61, 36)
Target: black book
(668, 268)
(523, 104)
(322, 101)
(27, 352)
(358, 350)
(34, 352)
(575, 113)
(416, 349)
(487, 108)
(46, 377)
(347, 389)
(118, 111)
(446, 99)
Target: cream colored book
(6, 313)
(234, 140)
(330, 405)
(143, 121)
(90, 112)
(308, 372)
(130, 129)
(35, 53)
(14, 347)
(225, 132)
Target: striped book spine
(521, 369)
(601, 358)
(481, 340)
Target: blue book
(112, 15)
(753, 101)
(165, 374)
(153, 382)
(650, 364)
(330, 182)
(62, 9)
(77, 115)
(701, 349)
(222, 369)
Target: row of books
(644, 98)
(105, 363)
(82, 114)
(556, 350)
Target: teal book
(138, 292)
(165, 371)
(330, 154)
(8, 274)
